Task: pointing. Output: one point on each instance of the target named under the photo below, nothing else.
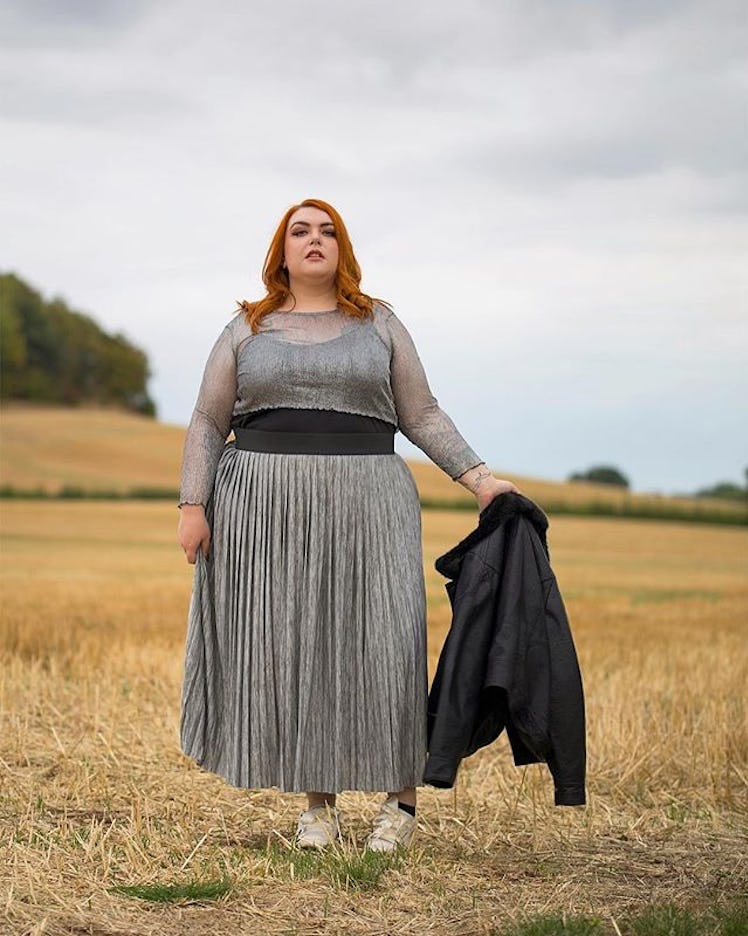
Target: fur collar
(503, 507)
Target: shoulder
(382, 319)
(229, 339)
(393, 326)
(237, 331)
(382, 311)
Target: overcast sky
(552, 195)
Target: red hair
(349, 297)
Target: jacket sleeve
(455, 695)
(546, 702)
(567, 757)
(420, 418)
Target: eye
(330, 233)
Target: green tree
(602, 474)
(726, 490)
(12, 350)
(53, 353)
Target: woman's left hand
(490, 488)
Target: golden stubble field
(95, 792)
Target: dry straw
(95, 794)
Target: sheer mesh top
(316, 360)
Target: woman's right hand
(193, 532)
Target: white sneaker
(393, 827)
(318, 827)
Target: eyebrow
(308, 224)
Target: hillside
(89, 447)
(98, 449)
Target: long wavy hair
(349, 297)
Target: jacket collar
(503, 507)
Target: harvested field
(95, 793)
(93, 449)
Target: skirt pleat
(305, 660)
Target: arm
(204, 442)
(426, 425)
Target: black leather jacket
(509, 659)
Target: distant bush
(725, 490)
(602, 474)
(50, 353)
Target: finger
(190, 554)
(205, 546)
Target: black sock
(406, 807)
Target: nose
(315, 239)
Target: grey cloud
(433, 59)
(39, 98)
(36, 23)
(403, 38)
(641, 150)
(549, 125)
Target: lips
(315, 253)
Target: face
(310, 247)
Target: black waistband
(315, 443)
(293, 419)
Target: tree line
(51, 353)
(609, 474)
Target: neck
(313, 296)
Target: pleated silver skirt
(305, 661)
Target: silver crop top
(316, 360)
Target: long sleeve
(420, 418)
(210, 423)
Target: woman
(305, 662)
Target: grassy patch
(74, 492)
(664, 920)
(349, 871)
(668, 920)
(664, 595)
(733, 921)
(188, 892)
(698, 513)
(555, 925)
